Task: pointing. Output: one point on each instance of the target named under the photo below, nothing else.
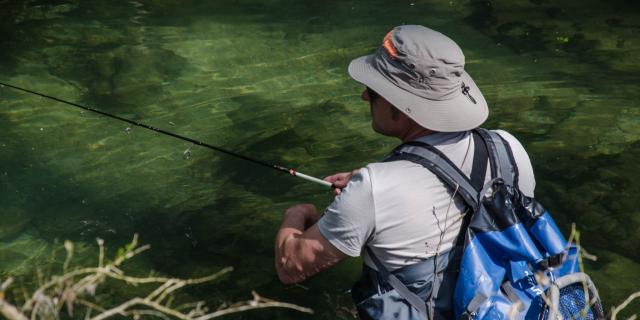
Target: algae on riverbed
(268, 78)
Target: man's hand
(340, 180)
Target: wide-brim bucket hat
(421, 72)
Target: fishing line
(187, 153)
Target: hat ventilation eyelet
(465, 91)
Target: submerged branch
(10, 312)
(615, 310)
(77, 287)
(258, 302)
(121, 309)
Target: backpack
(510, 259)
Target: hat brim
(453, 115)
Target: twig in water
(615, 310)
(587, 255)
(68, 245)
(513, 310)
(73, 287)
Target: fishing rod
(290, 171)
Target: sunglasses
(372, 94)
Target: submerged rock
(19, 256)
(13, 220)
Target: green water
(268, 79)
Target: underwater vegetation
(268, 79)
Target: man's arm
(301, 250)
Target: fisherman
(398, 215)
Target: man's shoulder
(516, 146)
(398, 176)
(387, 165)
(527, 182)
(390, 168)
(507, 136)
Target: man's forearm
(291, 224)
(301, 250)
(295, 221)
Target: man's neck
(415, 133)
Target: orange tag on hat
(388, 46)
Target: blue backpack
(510, 261)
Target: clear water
(268, 79)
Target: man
(398, 213)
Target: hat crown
(423, 61)
(422, 44)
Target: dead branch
(77, 287)
(10, 312)
(615, 310)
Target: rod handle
(310, 178)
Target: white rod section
(310, 178)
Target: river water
(268, 79)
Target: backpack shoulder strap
(503, 164)
(438, 163)
(480, 161)
(432, 159)
(478, 173)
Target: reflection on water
(268, 79)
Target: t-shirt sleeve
(349, 221)
(526, 179)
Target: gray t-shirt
(402, 211)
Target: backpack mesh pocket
(574, 296)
